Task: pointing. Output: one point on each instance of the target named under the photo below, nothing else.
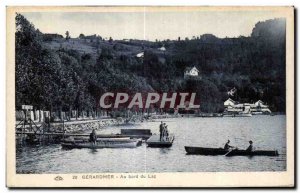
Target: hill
(72, 73)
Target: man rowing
(227, 146)
(250, 147)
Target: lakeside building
(162, 48)
(191, 72)
(140, 55)
(258, 107)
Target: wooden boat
(136, 133)
(154, 141)
(103, 143)
(84, 140)
(221, 151)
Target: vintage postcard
(150, 96)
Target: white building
(191, 72)
(229, 102)
(162, 48)
(140, 55)
(257, 108)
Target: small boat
(235, 152)
(136, 133)
(103, 143)
(84, 140)
(154, 141)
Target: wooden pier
(33, 133)
(80, 135)
(154, 141)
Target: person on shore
(250, 148)
(161, 129)
(93, 136)
(227, 146)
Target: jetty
(102, 143)
(154, 141)
(31, 132)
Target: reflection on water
(93, 150)
(164, 150)
(267, 132)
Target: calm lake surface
(267, 132)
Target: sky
(149, 25)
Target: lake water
(267, 132)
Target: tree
(65, 79)
(81, 36)
(28, 52)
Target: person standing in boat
(227, 146)
(250, 148)
(166, 133)
(161, 129)
(93, 136)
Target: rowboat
(235, 152)
(103, 143)
(84, 140)
(154, 141)
(136, 133)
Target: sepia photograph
(132, 94)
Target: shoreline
(81, 126)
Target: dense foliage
(75, 76)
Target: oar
(226, 154)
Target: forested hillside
(64, 73)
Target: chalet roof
(190, 68)
(239, 105)
(140, 55)
(162, 48)
(261, 103)
(229, 99)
